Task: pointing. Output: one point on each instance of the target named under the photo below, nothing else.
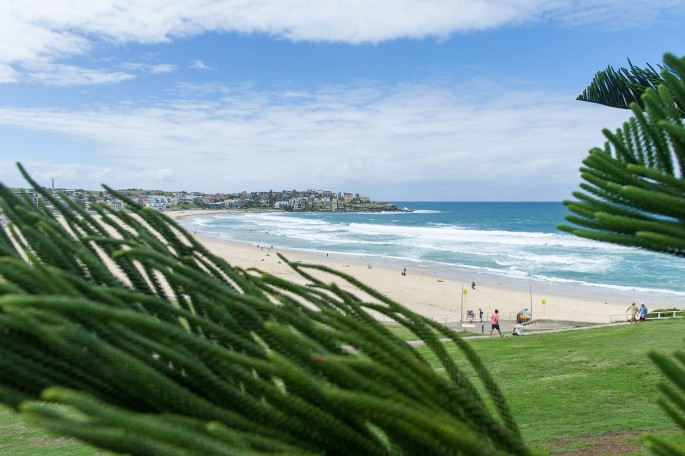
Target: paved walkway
(507, 328)
(554, 330)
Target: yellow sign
(543, 301)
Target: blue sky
(395, 99)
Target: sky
(399, 100)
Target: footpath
(507, 327)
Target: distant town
(284, 200)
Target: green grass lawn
(568, 390)
(19, 439)
(579, 385)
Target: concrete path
(507, 328)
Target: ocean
(515, 245)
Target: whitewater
(510, 244)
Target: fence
(650, 316)
(454, 317)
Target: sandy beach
(424, 292)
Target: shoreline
(431, 292)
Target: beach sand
(425, 292)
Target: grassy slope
(580, 383)
(568, 384)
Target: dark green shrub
(150, 344)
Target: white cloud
(613, 14)
(162, 68)
(401, 142)
(74, 175)
(55, 74)
(149, 68)
(199, 65)
(8, 74)
(38, 30)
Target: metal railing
(455, 318)
(650, 316)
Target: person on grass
(518, 330)
(643, 312)
(495, 323)
(632, 312)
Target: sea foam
(514, 240)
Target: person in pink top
(495, 323)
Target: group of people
(636, 313)
(494, 318)
(517, 331)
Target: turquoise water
(513, 244)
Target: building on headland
(284, 200)
(158, 202)
(30, 194)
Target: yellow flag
(466, 291)
(543, 301)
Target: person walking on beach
(643, 312)
(480, 312)
(495, 323)
(632, 312)
(473, 285)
